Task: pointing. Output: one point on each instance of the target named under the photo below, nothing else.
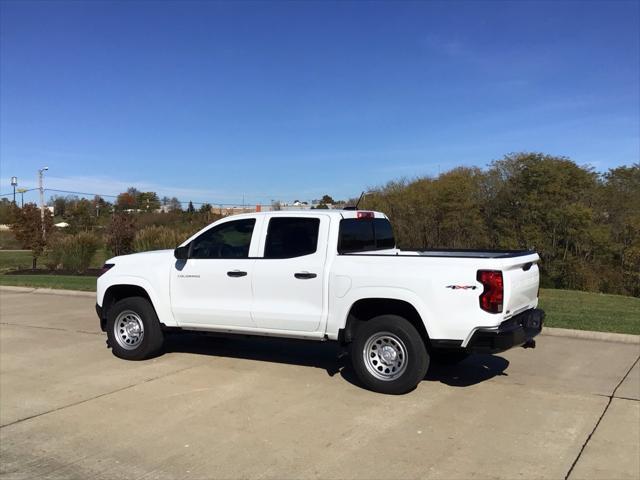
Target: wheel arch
(365, 309)
(117, 292)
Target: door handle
(236, 273)
(304, 275)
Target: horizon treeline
(584, 224)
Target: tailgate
(521, 281)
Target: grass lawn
(591, 311)
(8, 240)
(21, 259)
(14, 260)
(65, 282)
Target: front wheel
(133, 329)
(389, 355)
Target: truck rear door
(288, 279)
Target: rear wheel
(133, 329)
(389, 355)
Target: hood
(142, 256)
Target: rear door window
(289, 237)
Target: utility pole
(41, 188)
(14, 184)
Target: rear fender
(401, 294)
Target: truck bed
(474, 253)
(445, 252)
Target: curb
(590, 335)
(47, 291)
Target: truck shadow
(326, 356)
(474, 369)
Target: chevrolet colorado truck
(328, 276)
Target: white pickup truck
(325, 275)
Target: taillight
(365, 215)
(105, 268)
(493, 295)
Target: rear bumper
(516, 331)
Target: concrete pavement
(267, 408)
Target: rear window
(361, 235)
(289, 237)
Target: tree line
(585, 225)
(133, 223)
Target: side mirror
(181, 253)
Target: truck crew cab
(329, 276)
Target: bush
(56, 247)
(80, 251)
(72, 252)
(156, 238)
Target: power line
(23, 191)
(71, 192)
(79, 193)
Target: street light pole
(14, 183)
(41, 188)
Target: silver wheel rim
(128, 329)
(385, 356)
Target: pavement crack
(611, 397)
(80, 402)
(620, 398)
(629, 399)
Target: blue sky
(211, 101)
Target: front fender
(160, 300)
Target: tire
(388, 355)
(448, 357)
(133, 329)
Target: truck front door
(213, 286)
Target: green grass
(64, 282)
(14, 260)
(8, 240)
(17, 260)
(591, 311)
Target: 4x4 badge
(461, 287)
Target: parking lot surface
(266, 408)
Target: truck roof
(330, 212)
